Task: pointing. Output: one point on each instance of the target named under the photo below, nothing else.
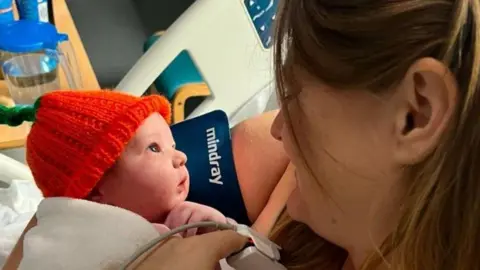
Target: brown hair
(371, 44)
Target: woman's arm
(15, 257)
(260, 161)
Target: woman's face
(346, 138)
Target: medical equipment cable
(151, 244)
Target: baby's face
(150, 177)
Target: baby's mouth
(183, 181)
(182, 185)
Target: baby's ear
(95, 196)
(98, 192)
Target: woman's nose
(179, 159)
(277, 126)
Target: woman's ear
(427, 101)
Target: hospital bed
(11, 169)
(229, 43)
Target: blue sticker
(263, 14)
(213, 179)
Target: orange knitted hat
(78, 135)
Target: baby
(110, 148)
(150, 179)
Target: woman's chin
(294, 205)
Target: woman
(380, 117)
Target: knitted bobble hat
(77, 136)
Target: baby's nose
(179, 159)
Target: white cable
(148, 246)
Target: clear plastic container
(29, 76)
(36, 59)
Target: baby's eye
(154, 147)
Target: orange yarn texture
(78, 135)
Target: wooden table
(15, 137)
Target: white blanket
(77, 234)
(18, 203)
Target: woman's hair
(371, 44)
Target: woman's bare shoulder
(260, 161)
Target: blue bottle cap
(25, 36)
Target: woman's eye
(154, 147)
